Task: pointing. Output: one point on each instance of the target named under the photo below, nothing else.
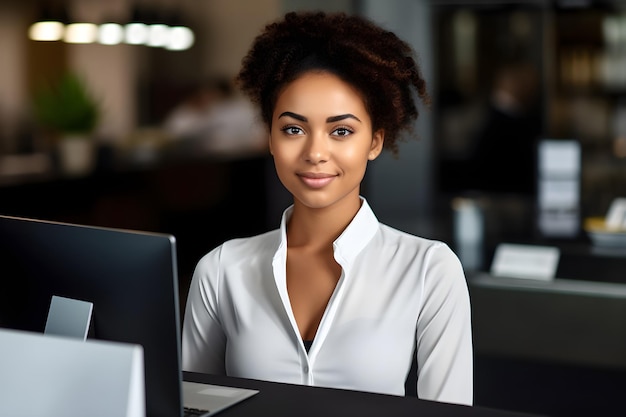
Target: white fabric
(396, 291)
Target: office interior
(175, 149)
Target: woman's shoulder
(411, 245)
(239, 248)
(441, 267)
(406, 238)
(234, 253)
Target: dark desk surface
(277, 399)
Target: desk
(563, 321)
(278, 399)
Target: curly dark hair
(375, 61)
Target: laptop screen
(129, 276)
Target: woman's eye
(342, 131)
(292, 130)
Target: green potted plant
(67, 111)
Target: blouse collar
(352, 240)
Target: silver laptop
(207, 400)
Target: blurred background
(124, 114)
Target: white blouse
(398, 296)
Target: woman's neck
(319, 227)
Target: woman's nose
(317, 149)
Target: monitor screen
(129, 276)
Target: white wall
(111, 74)
(229, 27)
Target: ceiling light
(50, 24)
(158, 35)
(46, 31)
(110, 34)
(136, 33)
(181, 38)
(80, 33)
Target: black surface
(589, 263)
(277, 399)
(548, 388)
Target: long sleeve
(444, 336)
(203, 339)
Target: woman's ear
(269, 143)
(378, 139)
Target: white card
(616, 216)
(525, 261)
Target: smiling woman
(333, 297)
(321, 139)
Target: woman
(332, 298)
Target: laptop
(126, 280)
(207, 400)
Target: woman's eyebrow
(294, 116)
(342, 117)
(331, 119)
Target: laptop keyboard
(193, 412)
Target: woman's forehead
(320, 93)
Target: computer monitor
(129, 276)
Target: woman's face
(321, 139)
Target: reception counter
(556, 348)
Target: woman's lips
(316, 180)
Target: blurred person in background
(504, 153)
(214, 118)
